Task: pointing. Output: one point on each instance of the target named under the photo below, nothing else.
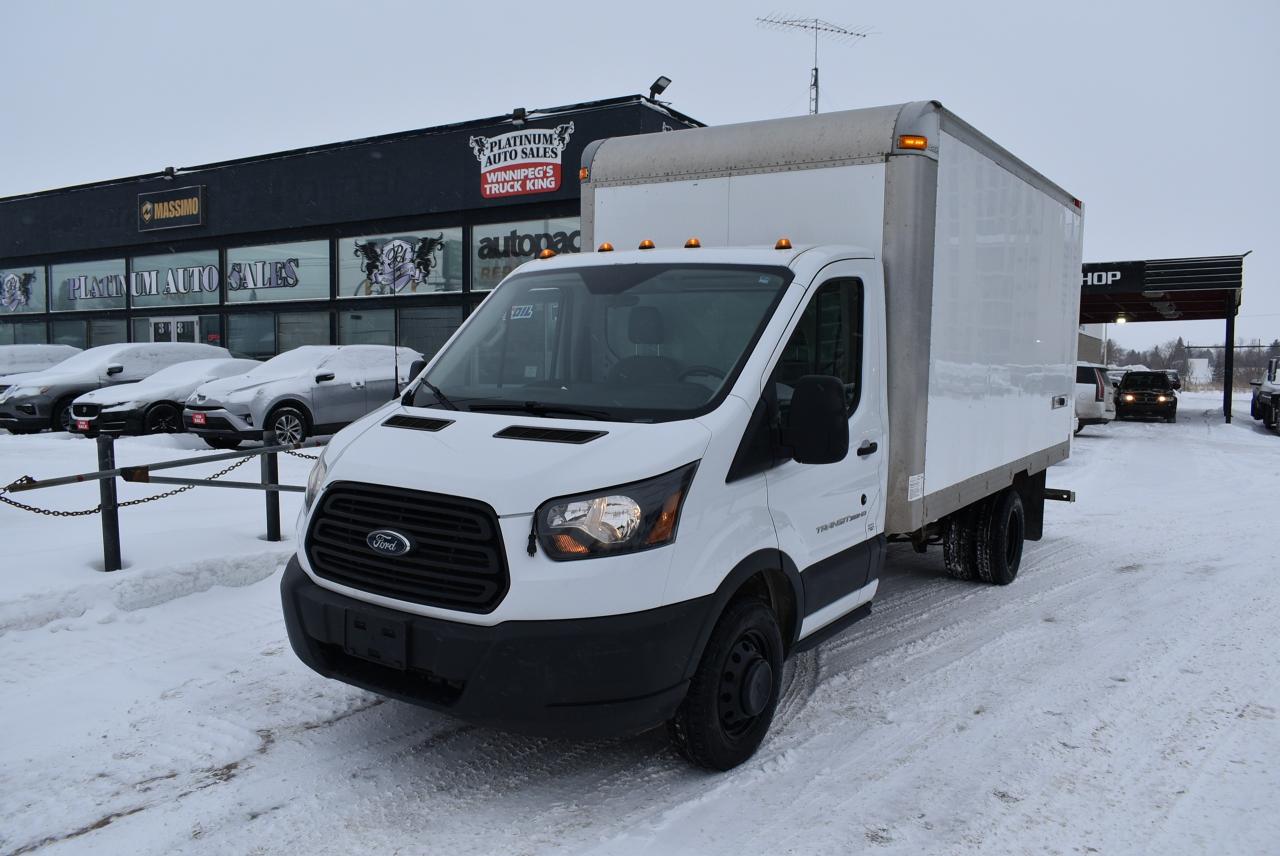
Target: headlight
(1161, 399)
(314, 480)
(1128, 397)
(624, 519)
(27, 391)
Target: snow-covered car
(153, 405)
(1095, 396)
(315, 389)
(1265, 404)
(43, 399)
(1146, 395)
(17, 361)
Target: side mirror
(114, 369)
(416, 368)
(818, 430)
(324, 376)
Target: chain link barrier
(301, 455)
(50, 512)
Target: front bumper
(130, 422)
(25, 413)
(587, 677)
(220, 422)
(1146, 409)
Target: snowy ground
(1120, 697)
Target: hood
(112, 394)
(216, 391)
(512, 476)
(50, 378)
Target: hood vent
(548, 435)
(417, 423)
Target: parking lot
(1120, 696)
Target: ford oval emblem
(388, 543)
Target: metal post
(110, 511)
(271, 475)
(1229, 356)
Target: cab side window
(827, 341)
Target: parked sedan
(315, 389)
(151, 406)
(43, 399)
(1146, 395)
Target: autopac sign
(1117, 277)
(171, 209)
(522, 162)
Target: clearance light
(783, 244)
(646, 244)
(548, 253)
(913, 141)
(692, 244)
(606, 247)
(1121, 319)
(583, 173)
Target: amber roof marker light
(583, 173)
(913, 141)
(548, 253)
(646, 244)
(783, 244)
(606, 247)
(692, 244)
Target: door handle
(867, 448)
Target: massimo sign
(521, 162)
(171, 209)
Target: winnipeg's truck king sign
(521, 162)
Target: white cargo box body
(981, 257)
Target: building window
(22, 290)
(278, 272)
(367, 327)
(107, 331)
(427, 328)
(252, 336)
(87, 285)
(23, 333)
(427, 262)
(499, 248)
(70, 333)
(294, 329)
(174, 279)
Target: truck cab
(1265, 403)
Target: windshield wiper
(537, 408)
(440, 396)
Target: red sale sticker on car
(82, 424)
(521, 162)
(197, 418)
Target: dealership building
(380, 240)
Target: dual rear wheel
(984, 541)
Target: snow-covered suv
(1095, 396)
(1266, 396)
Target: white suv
(1095, 396)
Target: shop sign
(398, 264)
(1115, 277)
(180, 280)
(86, 287)
(171, 209)
(521, 162)
(282, 273)
(16, 289)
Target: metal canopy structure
(1190, 289)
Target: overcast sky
(1161, 116)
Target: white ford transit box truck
(636, 480)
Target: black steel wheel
(162, 418)
(289, 424)
(735, 690)
(1001, 529)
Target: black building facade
(381, 240)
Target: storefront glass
(107, 331)
(498, 249)
(69, 333)
(87, 285)
(427, 328)
(366, 327)
(252, 335)
(278, 272)
(22, 290)
(22, 333)
(174, 279)
(301, 328)
(400, 263)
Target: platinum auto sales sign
(521, 162)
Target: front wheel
(1000, 533)
(735, 690)
(289, 424)
(162, 419)
(61, 418)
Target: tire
(16, 430)
(1173, 417)
(289, 425)
(60, 418)
(1253, 408)
(959, 544)
(162, 418)
(735, 690)
(1002, 524)
(222, 442)
(1079, 428)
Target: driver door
(829, 518)
(339, 395)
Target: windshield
(640, 342)
(93, 359)
(291, 362)
(1145, 380)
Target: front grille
(1148, 398)
(85, 411)
(456, 562)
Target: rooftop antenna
(819, 27)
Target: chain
(301, 455)
(97, 508)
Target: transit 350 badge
(521, 162)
